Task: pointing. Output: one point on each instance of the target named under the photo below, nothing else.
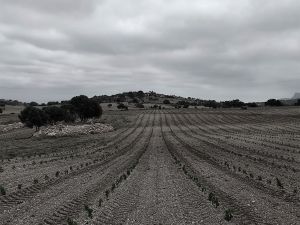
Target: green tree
(86, 108)
(33, 104)
(55, 114)
(140, 94)
(33, 117)
(273, 102)
(69, 113)
(122, 106)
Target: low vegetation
(78, 107)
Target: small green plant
(35, 181)
(71, 222)
(113, 186)
(210, 196)
(228, 214)
(19, 186)
(2, 190)
(214, 200)
(107, 193)
(100, 202)
(89, 211)
(57, 174)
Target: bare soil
(169, 166)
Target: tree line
(79, 107)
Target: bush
(54, 114)
(71, 222)
(273, 102)
(233, 103)
(33, 117)
(86, 108)
(252, 104)
(279, 184)
(139, 105)
(100, 202)
(122, 106)
(2, 190)
(33, 104)
(89, 211)
(52, 103)
(69, 113)
(166, 102)
(228, 215)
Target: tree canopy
(273, 102)
(33, 117)
(86, 108)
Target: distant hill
(296, 96)
(291, 101)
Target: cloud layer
(211, 49)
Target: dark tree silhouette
(55, 114)
(33, 117)
(273, 102)
(86, 108)
(166, 101)
(33, 104)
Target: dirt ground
(169, 166)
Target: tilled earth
(183, 166)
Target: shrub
(35, 181)
(228, 214)
(279, 184)
(89, 211)
(71, 222)
(122, 106)
(33, 104)
(86, 108)
(210, 196)
(19, 186)
(166, 102)
(2, 190)
(69, 113)
(100, 202)
(54, 114)
(107, 193)
(52, 103)
(273, 102)
(33, 117)
(139, 105)
(113, 186)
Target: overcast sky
(209, 49)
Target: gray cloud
(206, 48)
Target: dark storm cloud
(205, 48)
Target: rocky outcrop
(73, 130)
(12, 126)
